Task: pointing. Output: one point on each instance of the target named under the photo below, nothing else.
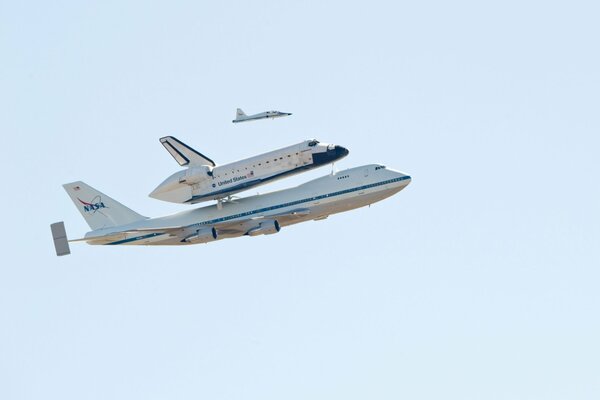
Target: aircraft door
(366, 171)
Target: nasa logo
(93, 206)
(213, 185)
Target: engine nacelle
(194, 175)
(265, 228)
(202, 236)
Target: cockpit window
(313, 143)
(379, 167)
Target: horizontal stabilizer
(59, 235)
(184, 154)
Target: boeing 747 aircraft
(114, 224)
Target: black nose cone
(332, 154)
(341, 151)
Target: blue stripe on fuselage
(133, 239)
(275, 207)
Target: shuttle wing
(233, 228)
(184, 154)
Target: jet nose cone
(341, 151)
(404, 178)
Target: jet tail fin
(99, 210)
(59, 235)
(239, 113)
(184, 154)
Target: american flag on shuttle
(76, 188)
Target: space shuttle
(204, 180)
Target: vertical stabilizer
(184, 154)
(239, 114)
(99, 210)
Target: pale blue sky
(479, 281)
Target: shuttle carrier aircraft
(204, 180)
(114, 224)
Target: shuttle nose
(331, 154)
(341, 151)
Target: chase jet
(112, 223)
(240, 116)
(203, 180)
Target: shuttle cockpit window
(379, 167)
(313, 143)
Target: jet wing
(112, 237)
(184, 154)
(241, 226)
(228, 228)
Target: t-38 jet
(204, 180)
(240, 116)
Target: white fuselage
(259, 116)
(316, 199)
(202, 183)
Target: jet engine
(202, 236)
(265, 228)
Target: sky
(479, 280)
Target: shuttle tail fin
(99, 210)
(184, 154)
